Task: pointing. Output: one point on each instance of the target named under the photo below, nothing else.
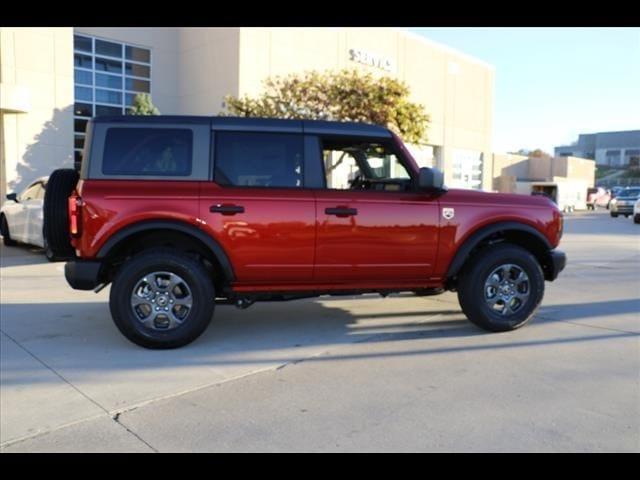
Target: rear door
(258, 206)
(373, 227)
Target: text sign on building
(370, 59)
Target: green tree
(538, 153)
(142, 105)
(345, 95)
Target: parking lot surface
(401, 373)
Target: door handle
(226, 209)
(341, 211)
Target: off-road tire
(4, 230)
(190, 269)
(60, 185)
(471, 287)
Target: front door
(373, 227)
(258, 210)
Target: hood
(490, 198)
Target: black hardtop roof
(247, 123)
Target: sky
(553, 83)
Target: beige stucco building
(566, 179)
(53, 79)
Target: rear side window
(148, 151)
(259, 159)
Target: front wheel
(614, 215)
(502, 287)
(162, 299)
(636, 218)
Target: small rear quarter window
(148, 152)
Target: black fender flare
(481, 234)
(175, 225)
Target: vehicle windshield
(631, 192)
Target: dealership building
(52, 80)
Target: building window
(632, 157)
(107, 77)
(467, 169)
(613, 157)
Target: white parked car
(21, 215)
(636, 212)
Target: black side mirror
(12, 196)
(431, 179)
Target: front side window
(251, 159)
(363, 165)
(148, 152)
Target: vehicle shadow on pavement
(81, 337)
(79, 340)
(576, 311)
(21, 255)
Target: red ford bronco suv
(181, 213)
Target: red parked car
(181, 213)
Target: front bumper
(621, 209)
(83, 274)
(555, 264)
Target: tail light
(75, 205)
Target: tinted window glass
(83, 93)
(80, 126)
(109, 81)
(82, 43)
(83, 61)
(104, 110)
(83, 77)
(137, 70)
(108, 65)
(137, 85)
(259, 159)
(83, 110)
(108, 96)
(147, 151)
(108, 48)
(138, 54)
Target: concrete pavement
(332, 374)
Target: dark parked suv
(181, 213)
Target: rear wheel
(501, 288)
(60, 185)
(614, 215)
(162, 299)
(4, 230)
(636, 218)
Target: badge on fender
(448, 213)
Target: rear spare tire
(60, 185)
